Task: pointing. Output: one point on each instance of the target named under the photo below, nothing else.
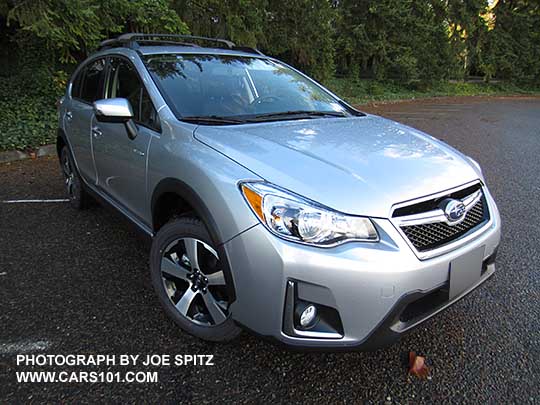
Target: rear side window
(124, 82)
(91, 88)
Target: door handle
(96, 132)
(69, 116)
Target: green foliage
(241, 21)
(301, 32)
(27, 100)
(361, 91)
(512, 49)
(405, 48)
(405, 42)
(28, 124)
(298, 31)
(466, 30)
(44, 34)
(75, 27)
(417, 42)
(150, 16)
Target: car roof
(179, 49)
(153, 44)
(176, 50)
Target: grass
(364, 91)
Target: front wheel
(188, 277)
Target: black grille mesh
(430, 236)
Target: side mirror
(116, 110)
(113, 110)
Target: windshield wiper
(212, 119)
(300, 114)
(297, 114)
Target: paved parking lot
(77, 282)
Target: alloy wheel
(194, 281)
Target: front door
(120, 161)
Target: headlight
(295, 218)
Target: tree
(75, 27)
(298, 31)
(466, 29)
(241, 21)
(512, 48)
(413, 41)
(302, 33)
(389, 39)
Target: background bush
(29, 89)
(379, 48)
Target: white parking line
(24, 347)
(58, 200)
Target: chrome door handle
(96, 132)
(69, 116)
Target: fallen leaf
(417, 366)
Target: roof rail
(135, 40)
(132, 40)
(249, 50)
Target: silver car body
(363, 165)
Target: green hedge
(364, 91)
(27, 109)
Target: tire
(189, 280)
(78, 197)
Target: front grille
(430, 236)
(433, 203)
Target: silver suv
(272, 204)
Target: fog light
(308, 316)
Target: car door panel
(78, 128)
(121, 162)
(79, 115)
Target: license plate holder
(465, 271)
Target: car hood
(360, 165)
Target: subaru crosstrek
(272, 204)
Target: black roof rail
(249, 50)
(135, 40)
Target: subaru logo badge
(454, 210)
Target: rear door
(87, 87)
(121, 161)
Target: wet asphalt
(78, 283)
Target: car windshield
(235, 89)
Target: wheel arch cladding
(191, 200)
(171, 186)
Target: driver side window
(124, 82)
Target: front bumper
(380, 290)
